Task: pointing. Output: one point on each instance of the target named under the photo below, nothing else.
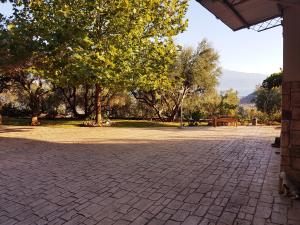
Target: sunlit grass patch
(143, 123)
(73, 122)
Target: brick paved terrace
(155, 176)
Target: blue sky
(245, 51)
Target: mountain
(244, 83)
(247, 99)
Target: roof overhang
(239, 14)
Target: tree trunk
(175, 113)
(35, 108)
(34, 121)
(176, 109)
(70, 96)
(158, 114)
(74, 104)
(86, 101)
(98, 116)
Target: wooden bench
(224, 121)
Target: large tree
(194, 71)
(268, 96)
(229, 102)
(273, 81)
(99, 42)
(268, 100)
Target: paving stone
(227, 218)
(155, 196)
(215, 210)
(259, 221)
(140, 221)
(156, 222)
(121, 222)
(194, 198)
(10, 222)
(143, 204)
(192, 220)
(278, 218)
(75, 220)
(59, 221)
(68, 215)
(263, 212)
(206, 201)
(132, 215)
(189, 207)
(241, 222)
(172, 222)
(293, 214)
(175, 204)
(106, 221)
(180, 215)
(163, 216)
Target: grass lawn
(72, 122)
(143, 123)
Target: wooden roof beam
(236, 13)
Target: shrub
(14, 111)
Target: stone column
(290, 134)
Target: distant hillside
(244, 83)
(247, 99)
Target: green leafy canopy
(100, 41)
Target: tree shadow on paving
(11, 130)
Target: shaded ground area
(153, 176)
